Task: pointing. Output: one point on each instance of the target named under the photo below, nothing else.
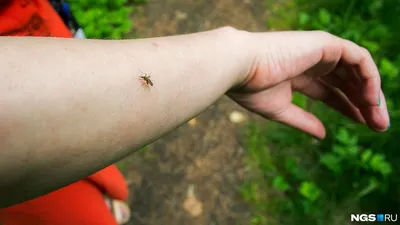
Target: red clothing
(80, 203)
(30, 18)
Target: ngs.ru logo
(373, 217)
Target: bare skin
(69, 108)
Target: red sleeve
(111, 181)
(31, 18)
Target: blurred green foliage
(104, 19)
(298, 180)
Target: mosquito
(147, 80)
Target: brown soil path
(205, 154)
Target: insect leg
(140, 87)
(141, 71)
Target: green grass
(295, 179)
(105, 19)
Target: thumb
(298, 118)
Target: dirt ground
(192, 175)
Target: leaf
(90, 31)
(299, 100)
(376, 160)
(126, 26)
(304, 18)
(375, 6)
(116, 35)
(352, 140)
(373, 47)
(107, 31)
(353, 150)
(258, 220)
(280, 184)
(103, 22)
(341, 151)
(307, 206)
(286, 205)
(290, 165)
(317, 25)
(373, 184)
(343, 136)
(388, 69)
(101, 2)
(385, 168)
(324, 16)
(301, 173)
(354, 35)
(116, 4)
(309, 190)
(376, 31)
(331, 161)
(365, 157)
(103, 18)
(379, 164)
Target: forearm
(71, 107)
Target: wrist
(239, 53)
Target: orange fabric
(111, 181)
(31, 18)
(80, 203)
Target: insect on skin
(146, 78)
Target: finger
(346, 83)
(379, 117)
(342, 75)
(318, 90)
(362, 61)
(294, 53)
(366, 94)
(296, 117)
(330, 57)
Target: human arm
(71, 107)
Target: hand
(316, 64)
